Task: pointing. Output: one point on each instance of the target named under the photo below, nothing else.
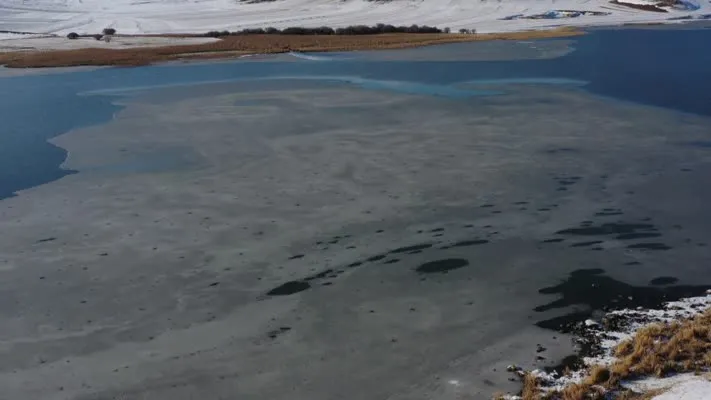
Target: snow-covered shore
(602, 338)
(192, 16)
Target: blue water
(665, 68)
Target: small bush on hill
(73, 35)
(109, 31)
(217, 34)
(258, 31)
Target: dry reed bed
(234, 46)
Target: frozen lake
(398, 224)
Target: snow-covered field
(198, 16)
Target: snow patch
(641, 2)
(692, 388)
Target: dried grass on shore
(659, 350)
(234, 46)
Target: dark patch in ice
(639, 235)
(295, 257)
(411, 248)
(466, 243)
(606, 212)
(614, 228)
(375, 258)
(572, 362)
(697, 143)
(49, 239)
(585, 244)
(442, 266)
(567, 181)
(289, 288)
(319, 275)
(649, 246)
(559, 150)
(663, 280)
(595, 291)
(556, 240)
(276, 332)
(392, 261)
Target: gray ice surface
(144, 275)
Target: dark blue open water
(667, 68)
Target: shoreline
(238, 46)
(631, 353)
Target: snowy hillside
(183, 16)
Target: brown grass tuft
(665, 348)
(531, 389)
(624, 348)
(582, 391)
(598, 375)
